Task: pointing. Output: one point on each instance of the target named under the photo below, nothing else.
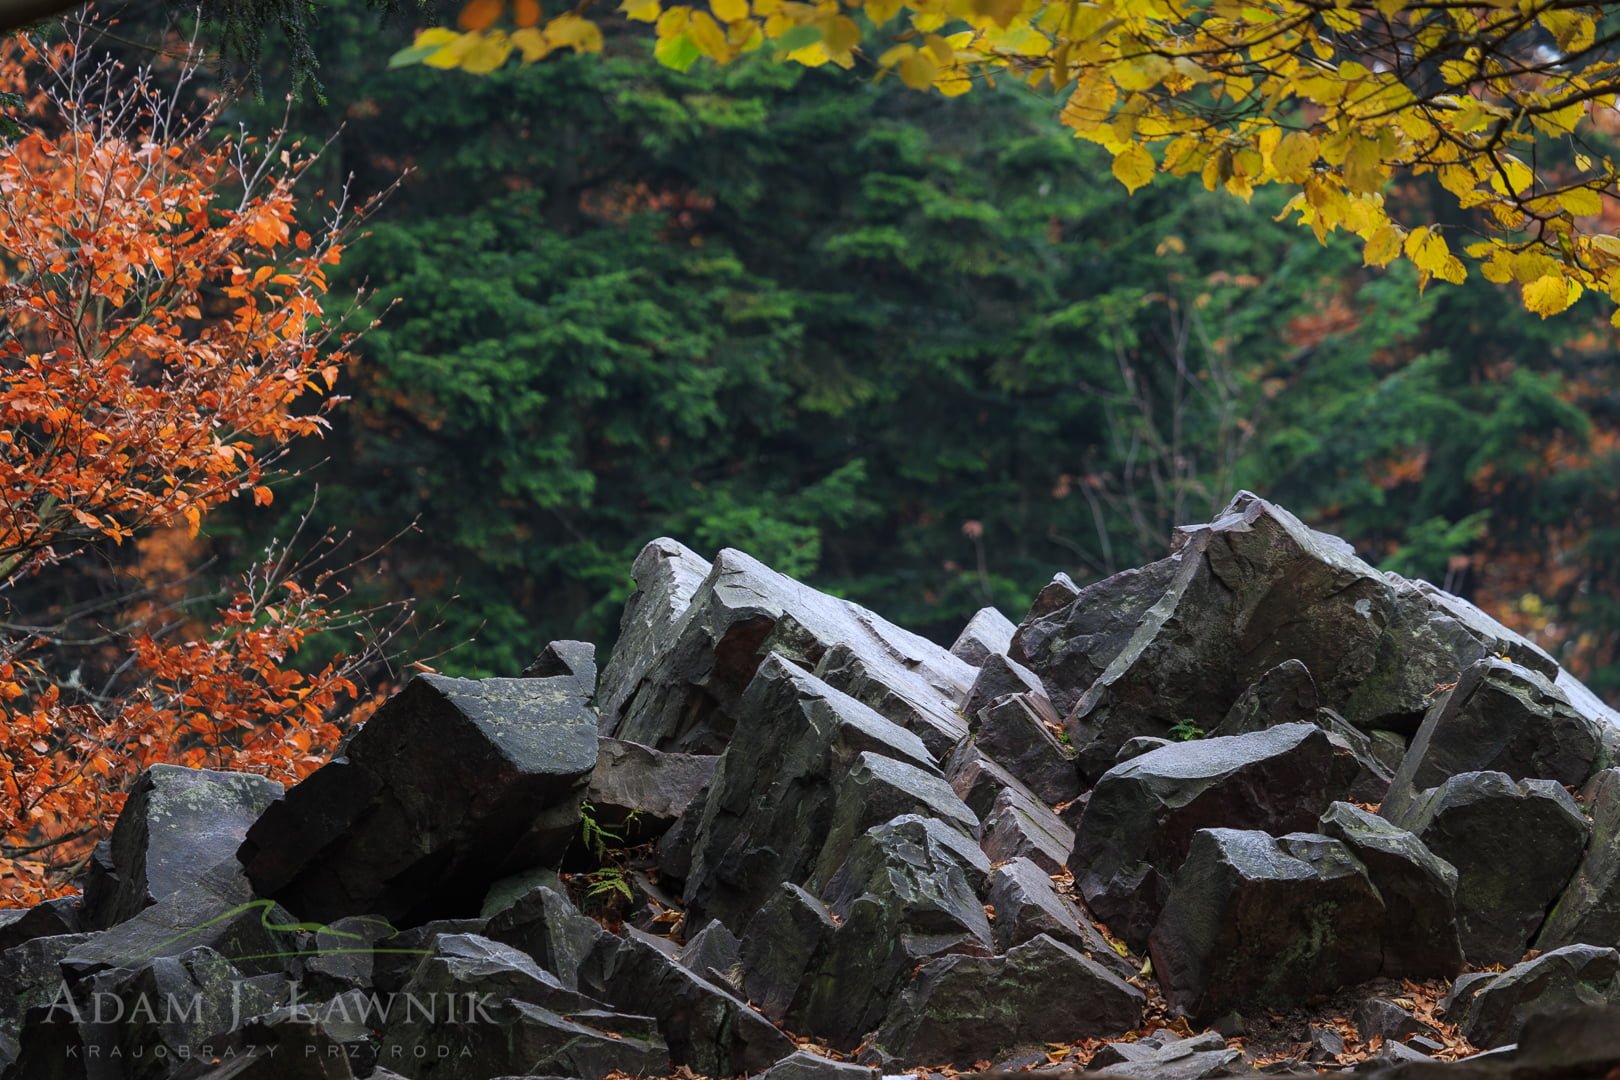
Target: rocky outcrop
(782, 837)
(454, 784)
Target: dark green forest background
(921, 353)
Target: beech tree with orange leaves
(163, 339)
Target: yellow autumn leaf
(532, 43)
(1511, 176)
(451, 54)
(1383, 247)
(708, 37)
(1295, 155)
(487, 54)
(573, 32)
(1134, 167)
(1582, 202)
(1550, 294)
(641, 10)
(729, 11)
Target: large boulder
(688, 696)
(452, 785)
(989, 633)
(218, 911)
(1020, 733)
(1589, 909)
(637, 792)
(771, 805)
(1419, 890)
(1514, 844)
(1500, 717)
(1018, 826)
(1573, 975)
(1284, 695)
(50, 918)
(1253, 919)
(476, 1007)
(544, 923)
(1182, 639)
(907, 893)
(513, 1037)
(706, 1027)
(176, 824)
(667, 575)
(962, 1009)
(1023, 902)
(1142, 815)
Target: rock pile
(780, 836)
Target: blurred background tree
(921, 352)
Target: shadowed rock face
(1143, 815)
(687, 694)
(454, 784)
(1514, 844)
(809, 828)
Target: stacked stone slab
(1258, 772)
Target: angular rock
(1021, 827)
(1158, 1046)
(1515, 845)
(1143, 814)
(1026, 904)
(963, 1009)
(774, 796)
(1141, 744)
(31, 975)
(1388, 1021)
(715, 953)
(170, 1007)
(876, 789)
(689, 696)
(1018, 733)
(1286, 694)
(1258, 920)
(1500, 717)
(1057, 593)
(509, 890)
(176, 824)
(1573, 975)
(516, 1038)
(1071, 636)
(218, 910)
(706, 1027)
(989, 633)
(49, 919)
(786, 939)
(1000, 677)
(667, 575)
(906, 894)
(452, 785)
(342, 956)
(931, 715)
(1180, 1059)
(544, 924)
(1589, 908)
(397, 958)
(1419, 890)
(803, 1065)
(1239, 596)
(575, 659)
(979, 780)
(638, 792)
